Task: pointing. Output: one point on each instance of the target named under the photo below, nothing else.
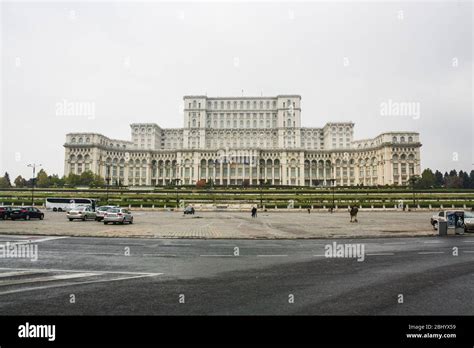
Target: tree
(3, 182)
(201, 183)
(98, 181)
(471, 179)
(427, 179)
(72, 180)
(42, 179)
(439, 180)
(465, 179)
(20, 181)
(86, 178)
(7, 179)
(414, 181)
(56, 181)
(454, 182)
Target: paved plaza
(227, 225)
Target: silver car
(468, 221)
(100, 211)
(81, 213)
(118, 215)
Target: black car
(26, 213)
(5, 212)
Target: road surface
(133, 276)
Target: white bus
(65, 204)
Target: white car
(100, 211)
(468, 221)
(118, 215)
(81, 213)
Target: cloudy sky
(133, 62)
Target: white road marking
(81, 253)
(319, 255)
(46, 239)
(178, 244)
(394, 243)
(430, 252)
(217, 255)
(78, 283)
(31, 239)
(171, 255)
(432, 242)
(47, 279)
(468, 251)
(78, 271)
(380, 254)
(17, 273)
(222, 245)
(272, 255)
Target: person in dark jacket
(254, 212)
(354, 210)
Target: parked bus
(65, 204)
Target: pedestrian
(254, 212)
(309, 210)
(353, 212)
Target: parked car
(468, 221)
(100, 211)
(443, 216)
(120, 215)
(81, 213)
(189, 210)
(79, 206)
(26, 213)
(5, 212)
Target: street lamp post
(261, 194)
(33, 181)
(333, 181)
(176, 182)
(107, 179)
(413, 180)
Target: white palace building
(245, 141)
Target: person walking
(254, 212)
(353, 212)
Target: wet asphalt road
(128, 276)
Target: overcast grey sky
(135, 61)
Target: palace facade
(245, 140)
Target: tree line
(453, 179)
(427, 179)
(42, 179)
